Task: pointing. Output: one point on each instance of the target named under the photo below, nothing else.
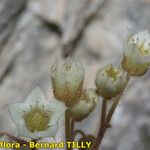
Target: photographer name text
(51, 145)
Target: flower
(110, 81)
(136, 57)
(67, 81)
(36, 117)
(85, 106)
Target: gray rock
(51, 10)
(25, 61)
(9, 12)
(78, 15)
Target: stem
(103, 114)
(102, 126)
(107, 123)
(69, 125)
(72, 129)
(112, 109)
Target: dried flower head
(85, 106)
(36, 117)
(110, 81)
(136, 57)
(67, 81)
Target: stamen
(37, 119)
(111, 72)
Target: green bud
(110, 81)
(67, 81)
(136, 57)
(85, 106)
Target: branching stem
(105, 119)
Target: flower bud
(67, 81)
(85, 106)
(110, 81)
(136, 57)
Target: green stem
(69, 125)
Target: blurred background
(34, 32)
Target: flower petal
(17, 110)
(36, 96)
(57, 109)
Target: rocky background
(34, 32)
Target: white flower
(136, 58)
(67, 80)
(36, 117)
(110, 81)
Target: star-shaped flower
(36, 117)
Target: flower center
(111, 72)
(37, 119)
